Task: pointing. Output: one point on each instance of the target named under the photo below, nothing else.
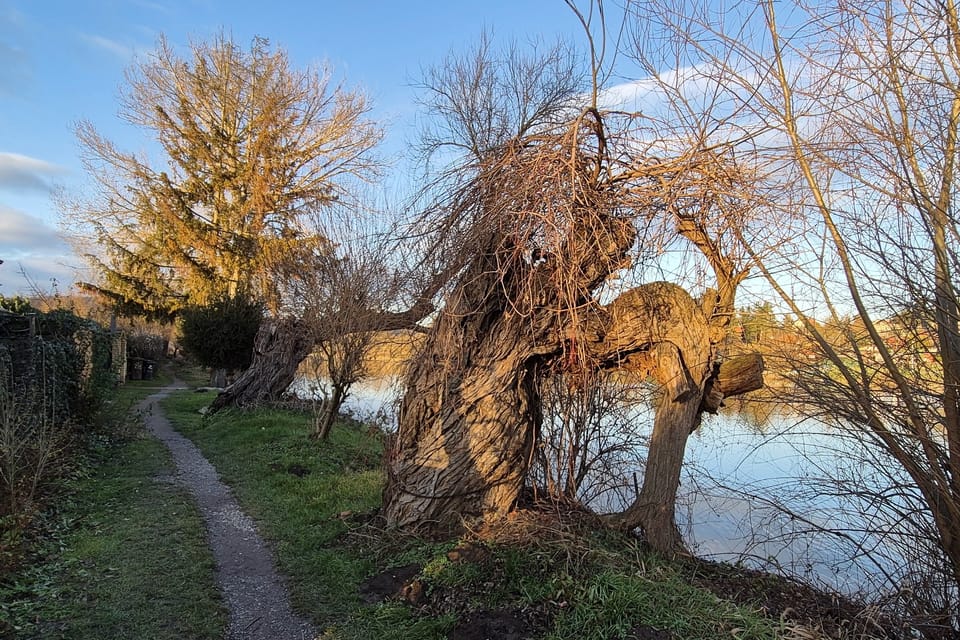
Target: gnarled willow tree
(533, 225)
(545, 222)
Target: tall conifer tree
(250, 149)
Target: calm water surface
(774, 495)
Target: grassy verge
(530, 574)
(300, 492)
(124, 553)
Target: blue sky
(63, 61)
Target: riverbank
(131, 560)
(546, 572)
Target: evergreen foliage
(252, 150)
(221, 335)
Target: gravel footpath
(255, 594)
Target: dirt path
(255, 594)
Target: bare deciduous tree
(851, 115)
(337, 302)
(531, 226)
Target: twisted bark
(279, 348)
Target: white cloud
(24, 235)
(630, 95)
(33, 254)
(685, 84)
(22, 173)
(113, 47)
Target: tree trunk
(329, 411)
(281, 345)
(467, 424)
(677, 343)
(654, 508)
(469, 418)
(678, 413)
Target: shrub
(54, 374)
(221, 335)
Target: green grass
(192, 376)
(124, 553)
(594, 585)
(254, 453)
(611, 603)
(127, 556)
(391, 621)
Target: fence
(55, 368)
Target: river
(781, 494)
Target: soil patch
(293, 469)
(494, 625)
(388, 584)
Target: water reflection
(771, 491)
(789, 499)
